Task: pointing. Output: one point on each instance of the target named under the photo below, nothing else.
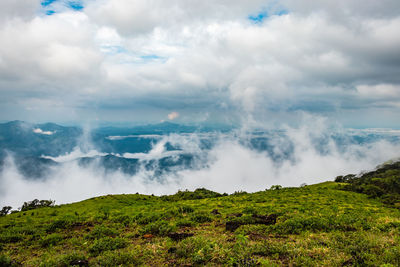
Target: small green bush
(184, 223)
(170, 214)
(199, 249)
(124, 219)
(161, 228)
(65, 260)
(388, 226)
(201, 217)
(119, 258)
(107, 243)
(100, 231)
(71, 259)
(299, 224)
(27, 230)
(185, 209)
(11, 237)
(6, 261)
(58, 224)
(268, 248)
(372, 190)
(146, 219)
(51, 240)
(249, 210)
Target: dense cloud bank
(224, 162)
(220, 60)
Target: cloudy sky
(200, 61)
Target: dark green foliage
(107, 243)
(51, 240)
(17, 233)
(236, 193)
(268, 248)
(6, 261)
(59, 224)
(363, 250)
(73, 259)
(299, 224)
(101, 231)
(245, 262)
(36, 203)
(345, 179)
(249, 210)
(184, 223)
(144, 219)
(169, 214)
(201, 217)
(242, 220)
(372, 190)
(275, 187)
(185, 209)
(161, 228)
(383, 183)
(198, 249)
(67, 260)
(11, 236)
(4, 211)
(124, 219)
(200, 193)
(119, 258)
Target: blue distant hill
(28, 139)
(27, 143)
(36, 148)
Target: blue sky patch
(282, 12)
(76, 5)
(55, 6)
(259, 17)
(47, 2)
(50, 12)
(112, 49)
(150, 57)
(267, 12)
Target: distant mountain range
(27, 143)
(37, 148)
(29, 139)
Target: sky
(231, 62)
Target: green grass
(316, 225)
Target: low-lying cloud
(40, 131)
(173, 115)
(230, 165)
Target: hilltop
(323, 224)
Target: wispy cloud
(40, 131)
(173, 115)
(307, 154)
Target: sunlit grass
(316, 225)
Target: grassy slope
(317, 225)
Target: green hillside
(382, 183)
(312, 225)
